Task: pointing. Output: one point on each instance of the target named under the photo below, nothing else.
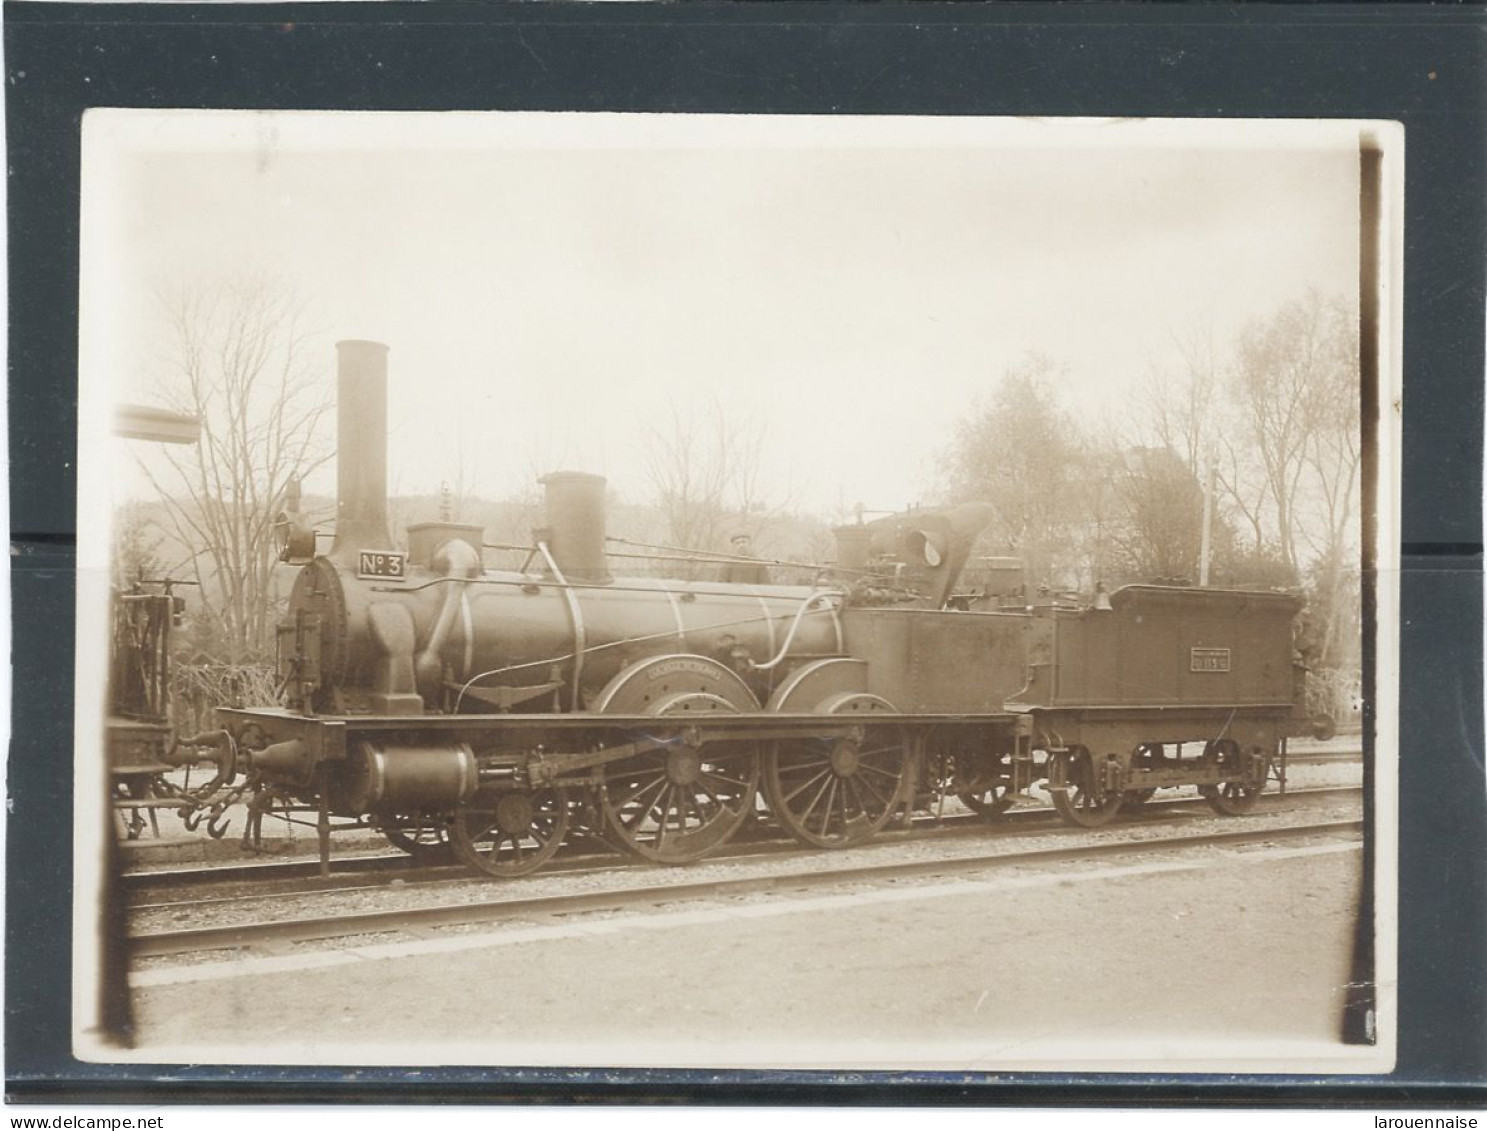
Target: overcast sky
(552, 284)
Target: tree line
(1261, 437)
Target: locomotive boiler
(498, 710)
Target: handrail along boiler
(498, 711)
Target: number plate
(1210, 660)
(382, 563)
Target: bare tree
(1275, 424)
(706, 471)
(1176, 410)
(1156, 465)
(137, 544)
(1157, 526)
(1277, 390)
(1243, 484)
(1223, 416)
(1333, 455)
(238, 362)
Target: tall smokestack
(361, 448)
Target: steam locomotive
(499, 712)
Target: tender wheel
(839, 791)
(1234, 798)
(427, 841)
(676, 804)
(510, 833)
(983, 788)
(1084, 804)
(990, 802)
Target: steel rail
(578, 860)
(401, 866)
(244, 935)
(1323, 757)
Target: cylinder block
(408, 778)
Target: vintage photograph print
(738, 592)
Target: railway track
(1323, 757)
(276, 937)
(379, 861)
(381, 869)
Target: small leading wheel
(839, 791)
(425, 839)
(1234, 798)
(510, 833)
(1084, 803)
(676, 803)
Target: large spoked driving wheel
(1083, 802)
(1234, 798)
(510, 833)
(836, 791)
(678, 802)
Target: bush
(197, 689)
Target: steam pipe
(575, 614)
(458, 561)
(784, 651)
